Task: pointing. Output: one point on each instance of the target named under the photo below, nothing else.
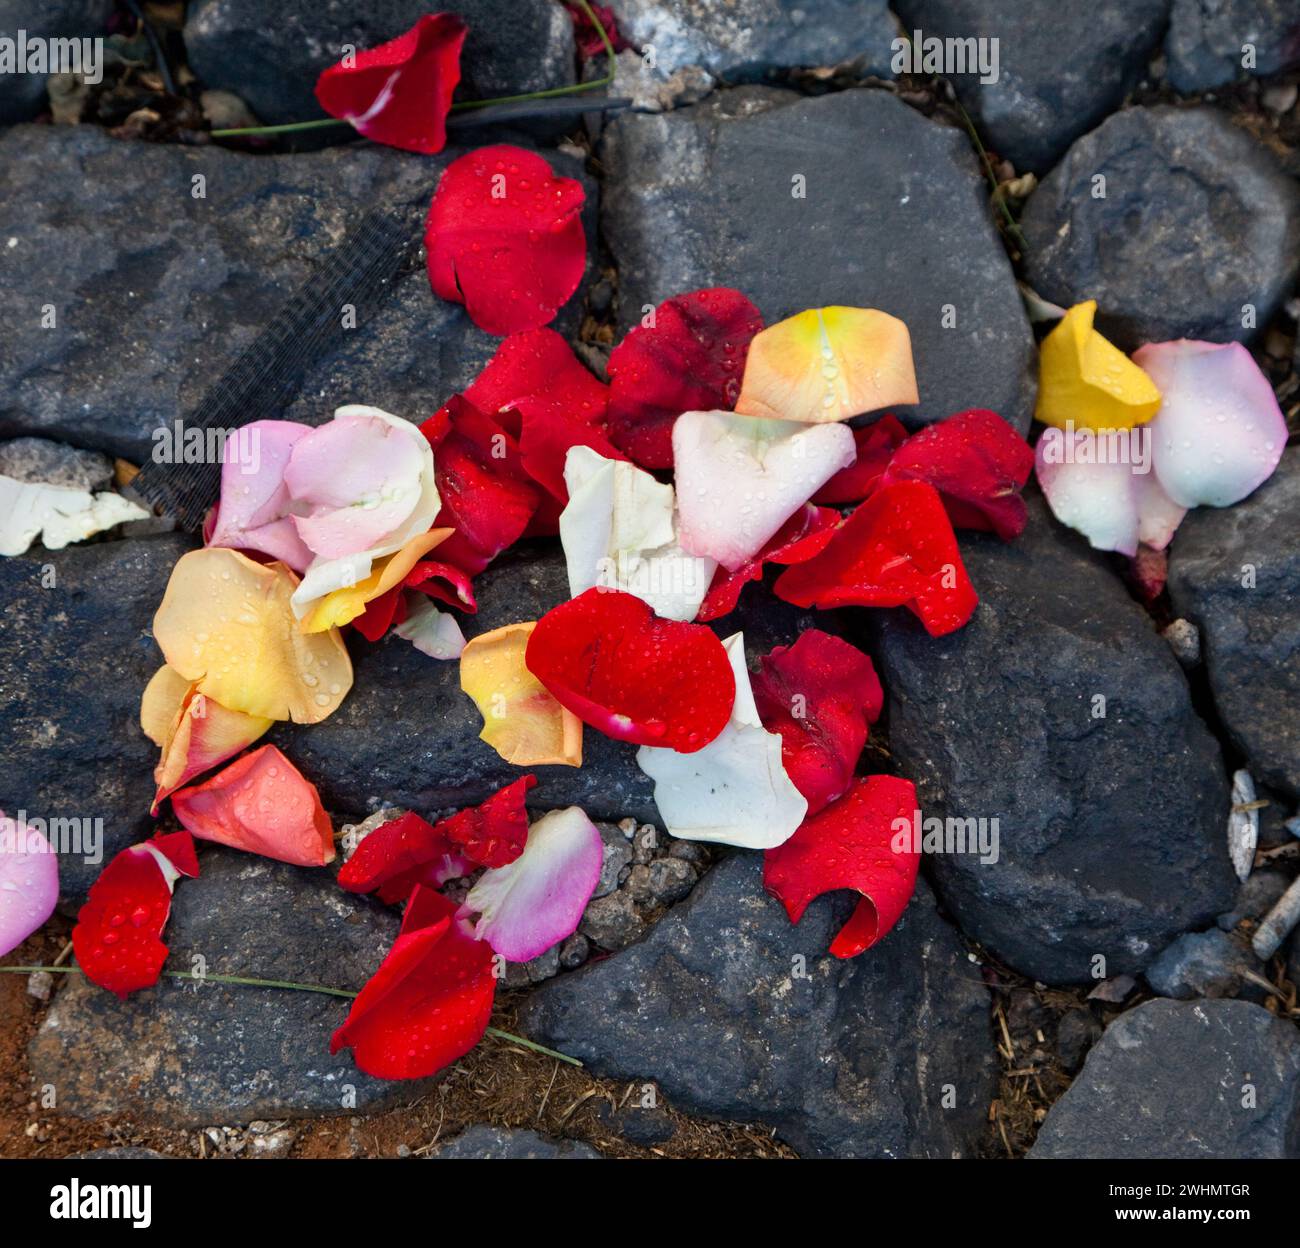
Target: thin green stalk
(248, 982)
(549, 94)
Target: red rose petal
(851, 844)
(690, 359)
(493, 833)
(588, 37)
(876, 444)
(610, 660)
(400, 92)
(430, 1000)
(804, 535)
(504, 237)
(380, 614)
(117, 938)
(977, 462)
(399, 854)
(820, 695)
(444, 582)
(896, 549)
(545, 444)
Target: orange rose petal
(521, 720)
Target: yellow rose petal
(1085, 379)
(828, 364)
(226, 625)
(521, 720)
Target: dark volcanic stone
(1197, 222)
(1076, 1033)
(1168, 1079)
(40, 461)
(744, 40)
(1056, 78)
(215, 1053)
(1206, 42)
(22, 96)
(1251, 635)
(77, 658)
(272, 57)
(149, 318)
(895, 217)
(1202, 964)
(737, 1014)
(483, 1142)
(119, 1154)
(1111, 830)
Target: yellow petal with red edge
(1087, 380)
(521, 720)
(340, 606)
(194, 732)
(828, 364)
(226, 625)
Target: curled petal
(1086, 381)
(536, 900)
(897, 549)
(828, 364)
(690, 357)
(740, 479)
(261, 804)
(399, 93)
(432, 632)
(875, 444)
(227, 626)
(1219, 433)
(400, 854)
(29, 882)
(734, 791)
(521, 720)
(610, 660)
(444, 582)
(504, 237)
(820, 695)
(864, 842)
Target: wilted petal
(432, 632)
(56, 514)
(29, 882)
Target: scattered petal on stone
(734, 791)
(875, 444)
(610, 660)
(521, 720)
(226, 625)
(57, 515)
(865, 841)
(261, 804)
(493, 833)
(1219, 433)
(432, 632)
(1086, 381)
(400, 854)
(739, 479)
(1243, 824)
(537, 900)
(828, 364)
(29, 882)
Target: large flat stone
(737, 1014)
(895, 217)
(1112, 830)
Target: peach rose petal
(828, 364)
(226, 626)
(521, 720)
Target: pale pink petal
(536, 901)
(29, 882)
(1098, 500)
(1158, 514)
(1219, 433)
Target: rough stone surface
(613, 922)
(618, 854)
(744, 40)
(847, 1059)
(1202, 964)
(43, 462)
(1204, 46)
(1167, 1079)
(705, 196)
(22, 96)
(1258, 894)
(1110, 830)
(1197, 222)
(1077, 1031)
(482, 1142)
(191, 1055)
(128, 1153)
(148, 319)
(273, 61)
(1251, 636)
(1044, 96)
(78, 655)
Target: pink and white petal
(1158, 515)
(29, 882)
(536, 901)
(734, 791)
(739, 478)
(1098, 500)
(432, 632)
(1219, 433)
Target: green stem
(246, 981)
(550, 94)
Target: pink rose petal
(29, 882)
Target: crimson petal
(493, 833)
(399, 854)
(876, 445)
